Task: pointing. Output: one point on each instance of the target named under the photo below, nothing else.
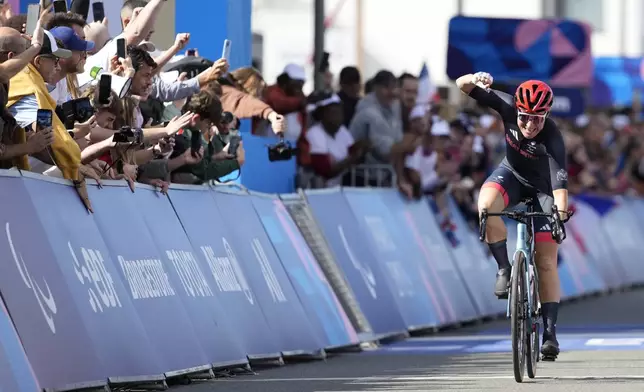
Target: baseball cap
(70, 39)
(50, 46)
(295, 72)
(147, 46)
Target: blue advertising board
(325, 312)
(439, 273)
(37, 297)
(208, 232)
(147, 277)
(16, 373)
(356, 259)
(189, 273)
(398, 260)
(277, 298)
(93, 278)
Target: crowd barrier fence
(153, 286)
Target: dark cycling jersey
(525, 157)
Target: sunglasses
(535, 118)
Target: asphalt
(414, 367)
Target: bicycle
(524, 306)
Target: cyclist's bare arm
(556, 149)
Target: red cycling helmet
(534, 97)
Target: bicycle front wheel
(532, 328)
(518, 299)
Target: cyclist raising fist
(534, 165)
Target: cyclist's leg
(499, 190)
(549, 289)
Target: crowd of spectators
(172, 116)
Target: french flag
(426, 88)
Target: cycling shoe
(502, 284)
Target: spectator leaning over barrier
(212, 160)
(287, 98)
(28, 92)
(377, 119)
(408, 85)
(333, 149)
(14, 56)
(240, 93)
(350, 87)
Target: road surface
(602, 340)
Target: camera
(76, 110)
(281, 151)
(128, 135)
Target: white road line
(467, 338)
(377, 380)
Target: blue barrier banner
(278, 300)
(482, 273)
(587, 278)
(397, 259)
(188, 273)
(325, 312)
(443, 280)
(465, 261)
(37, 296)
(587, 229)
(93, 278)
(210, 233)
(147, 277)
(624, 232)
(356, 259)
(16, 373)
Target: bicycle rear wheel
(518, 299)
(532, 325)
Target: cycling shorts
(514, 191)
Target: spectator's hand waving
(38, 141)
(177, 123)
(181, 41)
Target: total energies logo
(100, 284)
(364, 270)
(46, 302)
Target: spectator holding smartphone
(208, 160)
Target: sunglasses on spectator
(535, 118)
(55, 59)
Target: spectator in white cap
(287, 98)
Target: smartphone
(60, 6)
(43, 119)
(120, 48)
(33, 14)
(195, 142)
(191, 52)
(233, 145)
(225, 53)
(105, 89)
(99, 11)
